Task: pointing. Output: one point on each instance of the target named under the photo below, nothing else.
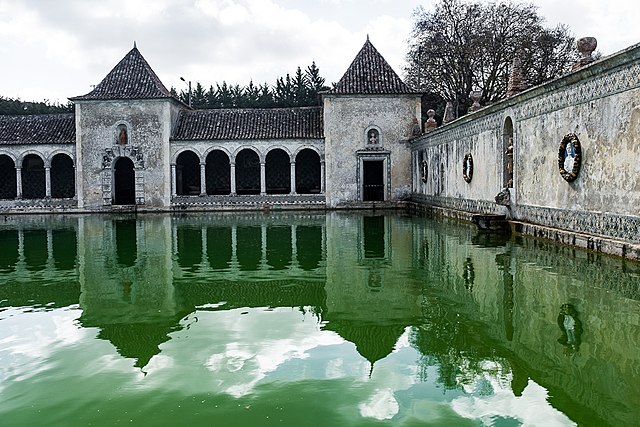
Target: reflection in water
(64, 248)
(571, 328)
(279, 247)
(229, 310)
(35, 249)
(373, 230)
(219, 247)
(468, 274)
(189, 247)
(249, 244)
(126, 242)
(309, 246)
(9, 254)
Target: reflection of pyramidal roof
(132, 78)
(370, 73)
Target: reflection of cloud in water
(27, 340)
(532, 408)
(381, 406)
(244, 362)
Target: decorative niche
(467, 167)
(373, 138)
(424, 171)
(122, 135)
(570, 157)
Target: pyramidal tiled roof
(370, 73)
(254, 123)
(132, 78)
(38, 129)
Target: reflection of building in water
(512, 318)
(370, 302)
(38, 263)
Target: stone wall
(599, 105)
(348, 120)
(148, 124)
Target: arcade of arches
(35, 178)
(246, 174)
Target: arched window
(307, 172)
(33, 181)
(63, 182)
(188, 174)
(8, 188)
(218, 173)
(247, 172)
(507, 150)
(278, 172)
(123, 135)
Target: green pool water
(309, 319)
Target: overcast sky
(55, 49)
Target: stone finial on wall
(449, 115)
(475, 97)
(586, 46)
(517, 82)
(431, 123)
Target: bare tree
(461, 47)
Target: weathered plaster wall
(346, 121)
(149, 125)
(599, 103)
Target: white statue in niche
(373, 137)
(569, 157)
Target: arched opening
(278, 172)
(188, 174)
(124, 188)
(63, 182)
(218, 173)
(8, 189)
(507, 154)
(33, 184)
(247, 172)
(307, 172)
(35, 249)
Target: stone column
(173, 180)
(18, 183)
(233, 178)
(263, 178)
(203, 180)
(322, 179)
(47, 182)
(293, 178)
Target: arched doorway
(63, 182)
(188, 174)
(278, 172)
(218, 173)
(8, 189)
(247, 172)
(307, 172)
(33, 184)
(124, 182)
(507, 151)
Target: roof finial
(367, 37)
(134, 44)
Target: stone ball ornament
(467, 167)
(570, 157)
